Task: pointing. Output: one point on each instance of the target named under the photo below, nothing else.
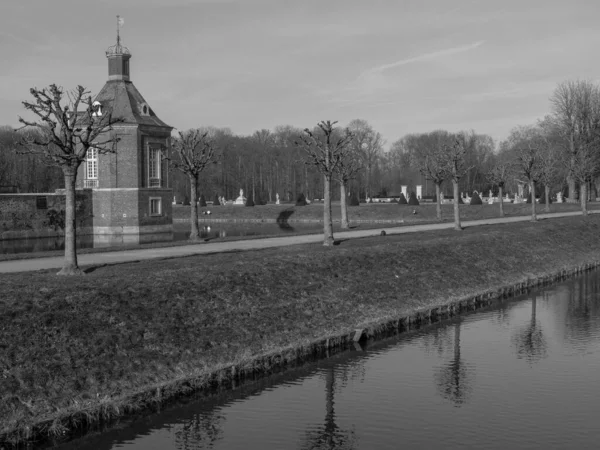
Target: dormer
(97, 107)
(144, 109)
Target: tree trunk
(344, 206)
(368, 187)
(327, 223)
(194, 231)
(547, 193)
(456, 209)
(70, 266)
(532, 194)
(501, 201)
(572, 186)
(583, 198)
(438, 204)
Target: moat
(520, 375)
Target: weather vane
(120, 23)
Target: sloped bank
(311, 300)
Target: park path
(120, 256)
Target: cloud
(425, 57)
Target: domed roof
(117, 49)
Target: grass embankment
(392, 212)
(81, 347)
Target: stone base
(132, 230)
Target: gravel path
(97, 259)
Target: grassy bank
(367, 212)
(81, 347)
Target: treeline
(269, 162)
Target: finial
(120, 23)
(118, 49)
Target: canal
(181, 232)
(521, 375)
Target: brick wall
(31, 211)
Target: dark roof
(126, 102)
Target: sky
(404, 66)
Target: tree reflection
(330, 436)
(529, 341)
(201, 431)
(583, 312)
(437, 340)
(454, 380)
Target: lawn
(88, 344)
(367, 212)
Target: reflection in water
(455, 378)
(200, 431)
(330, 436)
(583, 313)
(383, 397)
(180, 233)
(529, 341)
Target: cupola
(118, 58)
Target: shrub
(301, 200)
(259, 200)
(542, 199)
(250, 200)
(216, 201)
(55, 219)
(202, 200)
(476, 199)
(393, 200)
(412, 200)
(354, 200)
(402, 200)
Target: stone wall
(41, 214)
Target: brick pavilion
(130, 188)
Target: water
(523, 375)
(181, 232)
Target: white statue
(241, 200)
(559, 197)
(277, 198)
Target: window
(91, 168)
(41, 202)
(154, 169)
(155, 206)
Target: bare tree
(347, 170)
(528, 144)
(64, 136)
(498, 175)
(326, 149)
(194, 151)
(428, 153)
(576, 117)
(585, 167)
(457, 168)
(369, 143)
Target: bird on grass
(414, 211)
